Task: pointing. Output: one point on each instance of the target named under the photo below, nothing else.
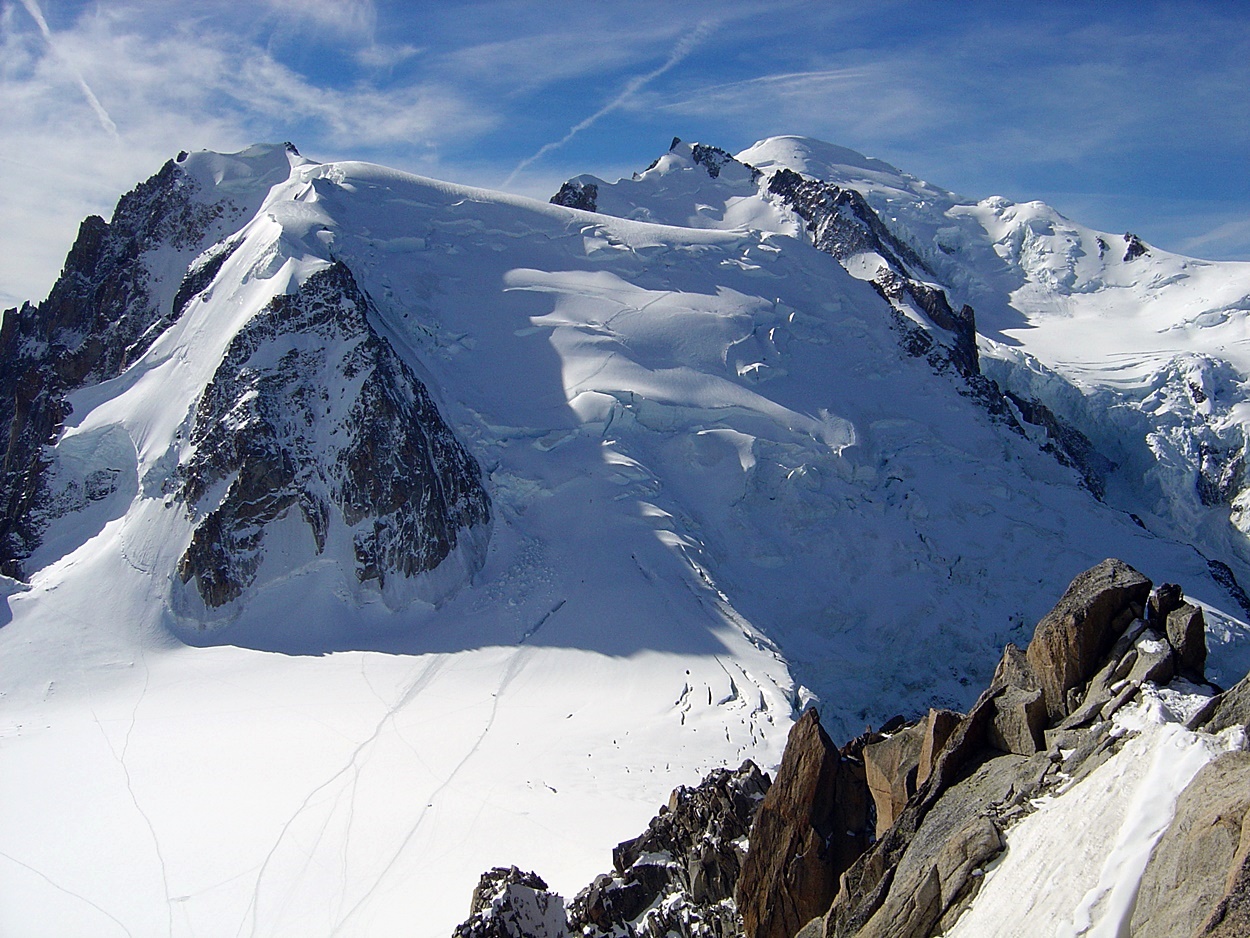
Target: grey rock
(890, 770)
(1197, 878)
(100, 316)
(678, 877)
(1231, 708)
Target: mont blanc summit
(363, 531)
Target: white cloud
(190, 87)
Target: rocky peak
(105, 310)
(578, 194)
(311, 411)
(508, 903)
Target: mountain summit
(361, 531)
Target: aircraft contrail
(683, 48)
(32, 7)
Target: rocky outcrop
(947, 788)
(508, 903)
(812, 825)
(101, 315)
(1205, 850)
(841, 222)
(577, 194)
(1071, 641)
(311, 411)
(1066, 443)
(1091, 653)
(1135, 247)
(675, 879)
(678, 877)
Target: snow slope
(715, 477)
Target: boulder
(1072, 640)
(811, 826)
(509, 903)
(1018, 721)
(890, 769)
(1187, 633)
(1019, 714)
(1205, 850)
(1163, 600)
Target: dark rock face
(841, 221)
(1067, 444)
(813, 823)
(676, 880)
(678, 877)
(575, 194)
(100, 316)
(312, 411)
(509, 903)
(1135, 247)
(710, 158)
(1187, 633)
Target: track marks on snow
(516, 663)
(352, 764)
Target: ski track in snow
(515, 663)
(427, 675)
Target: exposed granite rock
(577, 194)
(890, 770)
(1072, 640)
(1229, 709)
(1165, 598)
(100, 316)
(1198, 879)
(938, 727)
(312, 411)
(813, 823)
(841, 221)
(1134, 246)
(678, 877)
(508, 903)
(1187, 634)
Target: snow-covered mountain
(365, 531)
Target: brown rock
(890, 769)
(1071, 642)
(1187, 633)
(1162, 601)
(1018, 722)
(938, 729)
(811, 826)
(1198, 879)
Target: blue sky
(1122, 115)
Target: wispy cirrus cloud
(679, 52)
(152, 92)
